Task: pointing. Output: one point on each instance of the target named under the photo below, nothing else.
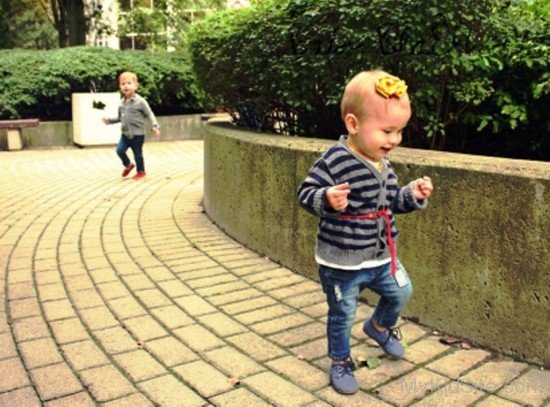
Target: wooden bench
(14, 131)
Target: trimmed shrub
(40, 83)
(476, 70)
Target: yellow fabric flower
(390, 85)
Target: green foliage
(148, 24)
(164, 26)
(24, 24)
(40, 83)
(476, 69)
(515, 117)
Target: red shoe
(139, 175)
(127, 170)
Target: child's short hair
(128, 74)
(361, 97)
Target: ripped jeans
(343, 288)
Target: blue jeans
(343, 288)
(136, 144)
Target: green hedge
(476, 69)
(40, 83)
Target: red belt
(384, 213)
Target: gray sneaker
(389, 340)
(342, 378)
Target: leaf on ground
(494, 357)
(373, 363)
(234, 381)
(448, 340)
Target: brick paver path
(123, 293)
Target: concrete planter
(479, 256)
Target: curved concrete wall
(478, 256)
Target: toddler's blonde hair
(361, 98)
(128, 74)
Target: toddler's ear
(352, 123)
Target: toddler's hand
(105, 120)
(156, 132)
(423, 188)
(337, 196)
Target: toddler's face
(381, 132)
(128, 86)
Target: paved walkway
(123, 293)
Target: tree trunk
(59, 18)
(76, 22)
(70, 22)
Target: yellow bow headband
(390, 85)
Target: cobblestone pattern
(115, 292)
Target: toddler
(353, 189)
(131, 112)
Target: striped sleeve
(313, 190)
(405, 202)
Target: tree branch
(46, 12)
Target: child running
(353, 189)
(131, 112)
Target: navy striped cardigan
(350, 242)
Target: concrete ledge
(60, 133)
(478, 256)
